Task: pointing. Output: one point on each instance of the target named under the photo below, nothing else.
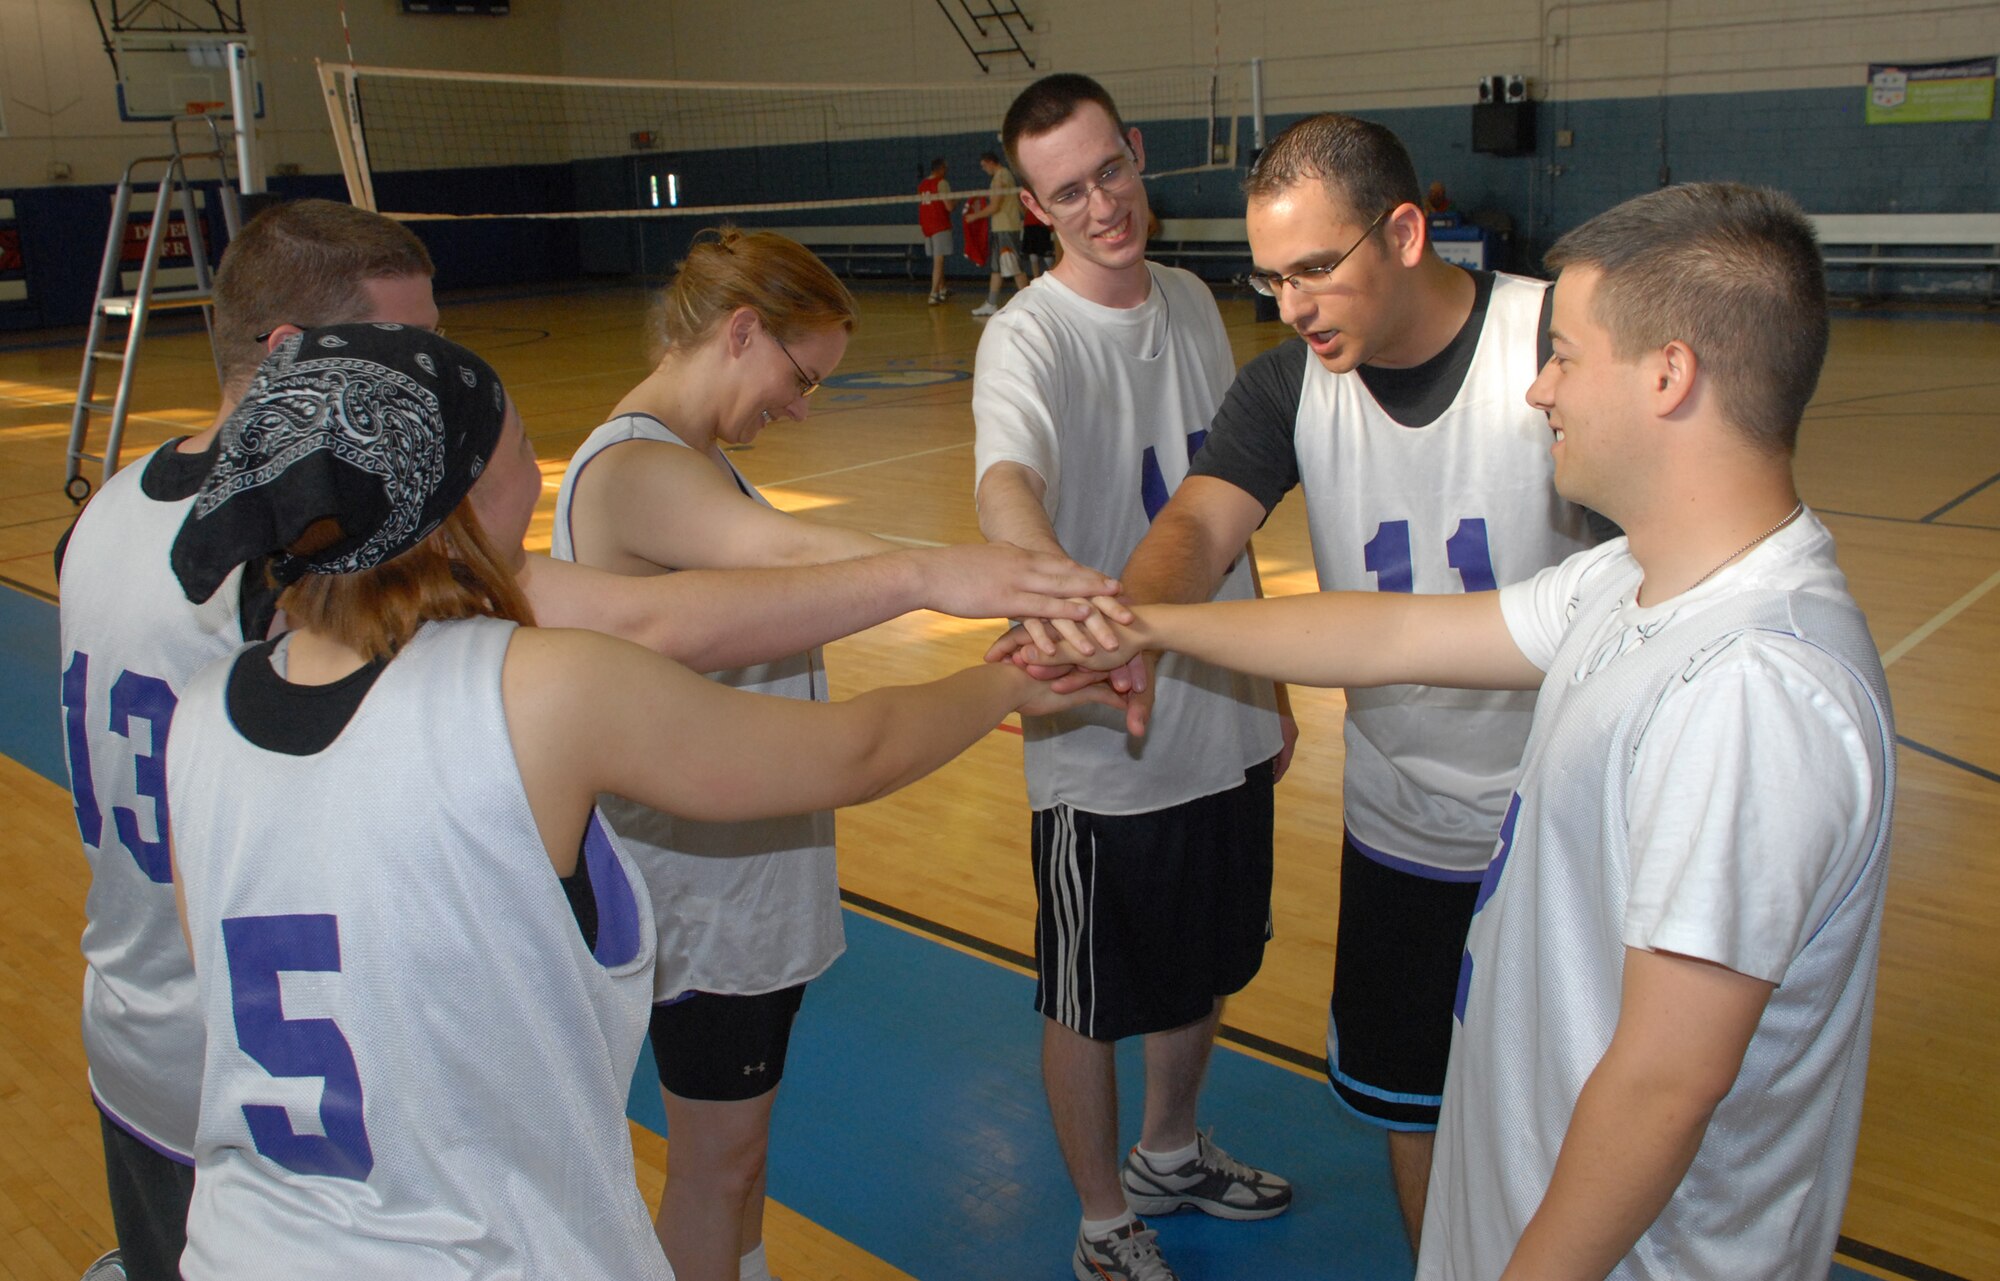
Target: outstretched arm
(1201, 531)
(716, 619)
(589, 713)
(1329, 639)
(1683, 1027)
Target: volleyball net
(417, 144)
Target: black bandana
(380, 428)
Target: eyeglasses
(1313, 280)
(1115, 177)
(807, 384)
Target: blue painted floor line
(912, 1121)
(30, 688)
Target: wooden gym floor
(1900, 455)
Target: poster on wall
(1904, 93)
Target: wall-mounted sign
(1902, 93)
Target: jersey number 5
(1387, 556)
(258, 948)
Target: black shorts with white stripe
(1143, 920)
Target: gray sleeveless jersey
(1466, 503)
(131, 642)
(1720, 874)
(743, 908)
(416, 1067)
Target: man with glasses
(1402, 410)
(1152, 857)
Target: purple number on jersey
(258, 948)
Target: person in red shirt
(934, 220)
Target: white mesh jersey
(417, 1067)
(1108, 405)
(131, 642)
(743, 908)
(1710, 777)
(1466, 503)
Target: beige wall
(57, 87)
(61, 106)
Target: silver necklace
(1790, 516)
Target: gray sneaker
(1214, 1183)
(1132, 1253)
(109, 1267)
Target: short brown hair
(1732, 271)
(454, 573)
(1363, 165)
(1045, 105)
(303, 263)
(785, 283)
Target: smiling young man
(1400, 408)
(1152, 858)
(1664, 999)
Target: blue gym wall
(1810, 142)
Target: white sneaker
(1132, 1253)
(985, 309)
(1213, 1182)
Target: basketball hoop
(207, 108)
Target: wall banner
(1901, 93)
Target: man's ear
(1138, 146)
(1673, 369)
(1409, 231)
(278, 335)
(1035, 206)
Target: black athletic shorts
(1143, 920)
(1036, 240)
(149, 1204)
(722, 1049)
(1395, 975)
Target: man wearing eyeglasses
(1402, 410)
(1152, 857)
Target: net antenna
(419, 144)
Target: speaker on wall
(1504, 128)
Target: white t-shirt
(1695, 784)
(1107, 405)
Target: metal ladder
(173, 194)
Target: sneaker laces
(1215, 1158)
(1139, 1254)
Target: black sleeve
(1250, 443)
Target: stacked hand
(1000, 580)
